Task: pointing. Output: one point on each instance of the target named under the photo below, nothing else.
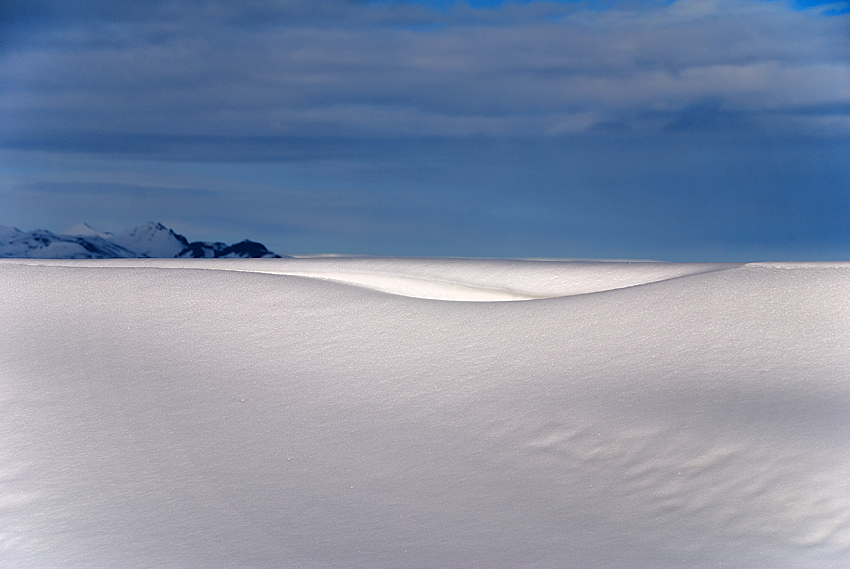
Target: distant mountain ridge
(149, 240)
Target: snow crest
(479, 280)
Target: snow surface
(343, 413)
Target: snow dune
(340, 413)
(481, 280)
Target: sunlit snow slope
(345, 413)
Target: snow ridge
(470, 280)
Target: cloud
(214, 70)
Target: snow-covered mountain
(151, 239)
(42, 244)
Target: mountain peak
(151, 226)
(7, 232)
(85, 230)
(152, 239)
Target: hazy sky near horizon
(686, 130)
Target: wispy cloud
(219, 69)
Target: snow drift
(344, 413)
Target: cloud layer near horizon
(211, 70)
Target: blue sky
(687, 130)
